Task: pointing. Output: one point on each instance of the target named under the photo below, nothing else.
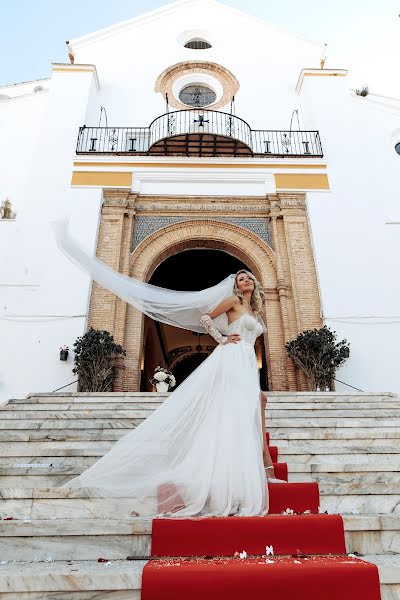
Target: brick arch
(206, 233)
(166, 80)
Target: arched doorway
(179, 350)
(284, 265)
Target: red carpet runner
(195, 557)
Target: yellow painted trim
(318, 73)
(301, 181)
(101, 178)
(74, 70)
(82, 68)
(199, 165)
(324, 74)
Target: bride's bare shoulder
(224, 306)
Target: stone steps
(99, 448)
(272, 405)
(80, 580)
(79, 460)
(281, 434)
(349, 444)
(121, 579)
(321, 472)
(63, 538)
(391, 418)
(130, 423)
(143, 396)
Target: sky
(362, 35)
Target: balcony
(198, 132)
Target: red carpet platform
(308, 561)
(273, 450)
(218, 536)
(297, 496)
(312, 578)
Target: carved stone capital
(118, 202)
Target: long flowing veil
(180, 309)
(200, 452)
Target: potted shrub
(95, 355)
(316, 352)
(64, 353)
(162, 379)
(6, 210)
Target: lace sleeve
(209, 326)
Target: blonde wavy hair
(257, 300)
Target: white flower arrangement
(161, 374)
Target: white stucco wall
(44, 299)
(265, 60)
(356, 251)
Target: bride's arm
(207, 321)
(223, 307)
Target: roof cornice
(173, 6)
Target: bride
(203, 452)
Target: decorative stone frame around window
(194, 70)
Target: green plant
(363, 91)
(316, 352)
(6, 211)
(95, 352)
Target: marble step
(77, 580)
(95, 406)
(129, 423)
(121, 579)
(152, 403)
(54, 466)
(333, 433)
(151, 396)
(91, 538)
(99, 448)
(313, 453)
(280, 434)
(363, 496)
(322, 472)
(272, 414)
(88, 423)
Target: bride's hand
(233, 338)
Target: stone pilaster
(284, 292)
(107, 311)
(302, 269)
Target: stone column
(302, 269)
(284, 291)
(106, 310)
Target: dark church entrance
(179, 350)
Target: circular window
(197, 44)
(197, 95)
(397, 147)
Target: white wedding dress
(201, 452)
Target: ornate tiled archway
(175, 238)
(285, 268)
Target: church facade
(183, 145)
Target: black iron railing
(198, 132)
